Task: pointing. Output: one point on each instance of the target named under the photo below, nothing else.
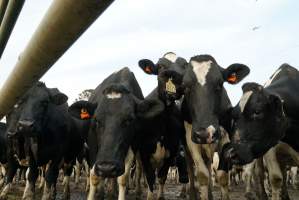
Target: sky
(262, 34)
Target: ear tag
(170, 87)
(148, 69)
(232, 78)
(84, 114)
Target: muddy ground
(172, 192)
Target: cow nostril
(108, 170)
(25, 124)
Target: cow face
(35, 108)
(114, 124)
(170, 70)
(205, 97)
(259, 123)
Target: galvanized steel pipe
(3, 5)
(62, 25)
(11, 15)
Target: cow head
(205, 97)
(170, 70)
(113, 122)
(259, 123)
(37, 104)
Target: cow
(206, 108)
(12, 153)
(266, 123)
(169, 129)
(118, 112)
(51, 137)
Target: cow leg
(68, 169)
(3, 175)
(260, 177)
(77, 172)
(96, 186)
(284, 192)
(123, 179)
(222, 178)
(190, 169)
(42, 178)
(275, 173)
(138, 174)
(248, 174)
(202, 170)
(150, 177)
(31, 176)
(86, 168)
(181, 163)
(162, 176)
(51, 179)
(11, 172)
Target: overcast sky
(134, 29)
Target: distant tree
(84, 95)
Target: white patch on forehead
(114, 95)
(244, 99)
(201, 69)
(171, 57)
(272, 78)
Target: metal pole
(62, 25)
(11, 15)
(3, 5)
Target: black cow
(9, 151)
(118, 110)
(266, 123)
(51, 136)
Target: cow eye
(257, 114)
(219, 86)
(128, 121)
(44, 103)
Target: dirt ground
(172, 192)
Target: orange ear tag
(232, 78)
(148, 69)
(84, 114)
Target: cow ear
(82, 109)
(149, 108)
(148, 66)
(235, 73)
(276, 104)
(57, 97)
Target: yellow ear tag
(84, 114)
(170, 87)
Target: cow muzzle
(109, 169)
(204, 135)
(25, 125)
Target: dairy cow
(206, 108)
(50, 134)
(119, 111)
(266, 124)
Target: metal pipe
(62, 25)
(11, 15)
(3, 5)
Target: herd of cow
(182, 122)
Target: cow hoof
(250, 196)
(66, 196)
(3, 197)
(285, 197)
(161, 198)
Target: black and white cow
(206, 108)
(169, 129)
(266, 123)
(118, 111)
(51, 136)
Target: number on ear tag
(170, 87)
